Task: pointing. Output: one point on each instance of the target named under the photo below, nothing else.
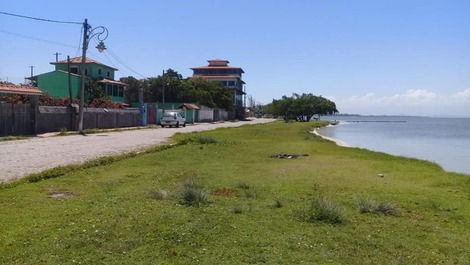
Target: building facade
(218, 70)
(56, 83)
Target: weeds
(157, 195)
(200, 139)
(277, 204)
(322, 210)
(193, 194)
(236, 210)
(62, 131)
(243, 186)
(370, 206)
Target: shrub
(367, 206)
(193, 195)
(387, 208)
(370, 206)
(323, 210)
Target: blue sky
(371, 57)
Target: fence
(24, 119)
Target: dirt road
(23, 157)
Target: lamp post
(101, 33)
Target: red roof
(23, 90)
(77, 60)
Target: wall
(16, 119)
(22, 119)
(205, 114)
(91, 69)
(55, 84)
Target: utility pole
(82, 74)
(163, 91)
(57, 56)
(32, 67)
(69, 80)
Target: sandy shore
(337, 141)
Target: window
(74, 70)
(115, 91)
(121, 92)
(231, 83)
(108, 74)
(109, 90)
(86, 71)
(99, 71)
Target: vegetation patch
(288, 156)
(322, 210)
(371, 206)
(193, 194)
(60, 195)
(157, 194)
(198, 139)
(225, 192)
(236, 210)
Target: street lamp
(101, 33)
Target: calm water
(445, 141)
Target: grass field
(219, 198)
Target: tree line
(304, 105)
(174, 88)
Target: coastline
(337, 141)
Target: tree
(300, 105)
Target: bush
(200, 139)
(370, 206)
(193, 195)
(387, 208)
(236, 210)
(367, 206)
(323, 210)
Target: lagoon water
(445, 141)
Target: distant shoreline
(337, 141)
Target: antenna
(57, 56)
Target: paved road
(24, 157)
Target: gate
(151, 114)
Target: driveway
(23, 157)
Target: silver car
(172, 118)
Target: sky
(371, 57)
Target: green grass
(12, 138)
(129, 210)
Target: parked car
(172, 118)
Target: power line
(37, 39)
(40, 19)
(115, 57)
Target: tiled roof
(108, 81)
(189, 106)
(76, 60)
(218, 76)
(23, 90)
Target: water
(445, 141)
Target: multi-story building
(56, 83)
(231, 77)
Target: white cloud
(410, 102)
(462, 95)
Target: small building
(19, 90)
(56, 83)
(231, 78)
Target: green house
(56, 83)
